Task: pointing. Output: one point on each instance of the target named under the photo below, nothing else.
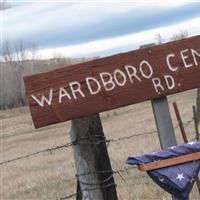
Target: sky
(96, 28)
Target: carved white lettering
(63, 93)
(89, 81)
(184, 57)
(132, 73)
(107, 81)
(76, 88)
(157, 85)
(172, 68)
(149, 69)
(118, 75)
(44, 99)
(195, 54)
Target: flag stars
(180, 177)
(155, 152)
(191, 143)
(161, 180)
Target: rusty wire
(86, 140)
(126, 169)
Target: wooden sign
(111, 82)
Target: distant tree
(4, 5)
(32, 47)
(159, 38)
(20, 50)
(18, 59)
(7, 52)
(181, 35)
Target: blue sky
(79, 28)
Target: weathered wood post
(164, 122)
(92, 160)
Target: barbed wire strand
(113, 171)
(84, 140)
(88, 189)
(69, 144)
(101, 182)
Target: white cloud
(116, 43)
(56, 19)
(36, 19)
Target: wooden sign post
(88, 88)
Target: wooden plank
(170, 162)
(115, 81)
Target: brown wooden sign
(111, 82)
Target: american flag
(178, 180)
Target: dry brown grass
(49, 175)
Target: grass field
(50, 175)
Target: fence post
(78, 191)
(164, 124)
(92, 161)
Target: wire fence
(91, 140)
(87, 140)
(104, 182)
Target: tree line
(19, 59)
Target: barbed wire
(83, 140)
(88, 189)
(38, 152)
(87, 140)
(93, 139)
(100, 182)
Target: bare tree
(16, 63)
(181, 35)
(17, 53)
(32, 47)
(7, 52)
(21, 47)
(159, 38)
